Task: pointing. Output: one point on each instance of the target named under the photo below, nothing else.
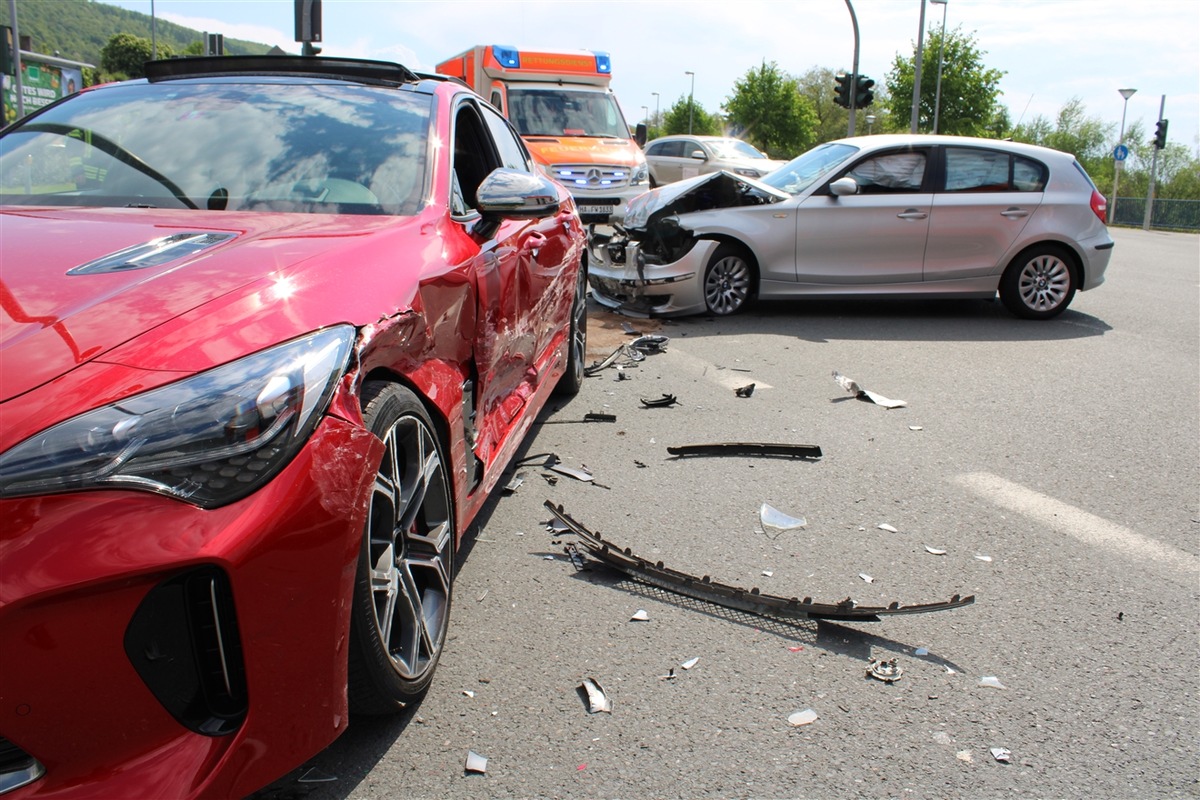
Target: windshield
(565, 112)
(224, 145)
(734, 149)
(802, 171)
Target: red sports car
(272, 328)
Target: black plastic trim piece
(763, 449)
(355, 69)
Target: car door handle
(912, 213)
(1014, 213)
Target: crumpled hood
(700, 193)
(63, 303)
(584, 150)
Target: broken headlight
(210, 439)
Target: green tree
(969, 88)
(1073, 131)
(125, 55)
(768, 111)
(686, 112)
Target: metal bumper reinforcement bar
(749, 600)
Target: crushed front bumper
(661, 290)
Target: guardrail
(1183, 215)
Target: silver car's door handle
(1014, 213)
(912, 213)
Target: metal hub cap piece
(727, 285)
(1044, 283)
(410, 548)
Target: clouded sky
(1051, 50)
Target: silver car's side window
(980, 170)
(891, 173)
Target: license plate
(605, 210)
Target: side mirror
(842, 187)
(512, 194)
(699, 155)
(639, 134)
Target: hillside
(78, 29)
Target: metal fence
(1173, 214)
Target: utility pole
(1162, 106)
(854, 73)
(916, 103)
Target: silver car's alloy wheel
(728, 282)
(406, 567)
(1039, 284)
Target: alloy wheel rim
(410, 544)
(727, 285)
(579, 325)
(1044, 283)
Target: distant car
(906, 216)
(273, 326)
(672, 158)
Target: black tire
(572, 380)
(730, 281)
(1039, 283)
(402, 592)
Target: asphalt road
(1065, 452)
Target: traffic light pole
(854, 72)
(1162, 106)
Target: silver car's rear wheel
(728, 281)
(406, 566)
(1039, 283)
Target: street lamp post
(916, 101)
(937, 98)
(691, 101)
(656, 107)
(645, 113)
(1119, 165)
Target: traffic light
(844, 88)
(8, 51)
(863, 96)
(1160, 134)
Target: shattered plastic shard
(670, 676)
(866, 577)
(1002, 754)
(883, 526)
(983, 558)
(767, 573)
(915, 428)
(744, 391)
(598, 701)
(476, 763)
(639, 616)
(853, 387)
(571, 472)
(934, 551)
(775, 521)
(992, 682)
(691, 662)
(805, 717)
(846, 383)
(666, 401)
(921, 651)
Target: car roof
(882, 140)
(356, 70)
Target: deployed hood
(77, 283)
(701, 193)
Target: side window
(980, 170)
(657, 149)
(474, 158)
(690, 147)
(890, 174)
(497, 100)
(673, 149)
(512, 151)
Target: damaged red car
(272, 328)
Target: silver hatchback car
(910, 216)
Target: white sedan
(912, 216)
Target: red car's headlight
(209, 440)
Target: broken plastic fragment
(1002, 754)
(630, 330)
(666, 401)
(775, 521)
(468, 693)
(762, 449)
(921, 651)
(992, 682)
(598, 416)
(805, 717)
(934, 551)
(767, 573)
(639, 616)
(670, 676)
(851, 386)
(795, 649)
(691, 662)
(514, 484)
(983, 558)
(571, 472)
(866, 577)
(915, 428)
(883, 526)
(885, 671)
(315, 775)
(744, 391)
(476, 763)
(598, 701)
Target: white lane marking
(1064, 518)
(730, 379)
